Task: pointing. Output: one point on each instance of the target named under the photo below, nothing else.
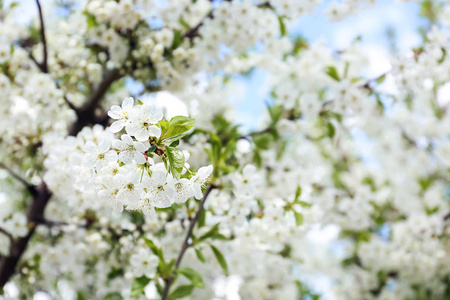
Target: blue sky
(371, 24)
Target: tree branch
(9, 235)
(186, 243)
(18, 246)
(29, 186)
(86, 113)
(44, 64)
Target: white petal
(118, 144)
(248, 170)
(115, 112)
(159, 177)
(111, 156)
(128, 103)
(127, 139)
(197, 192)
(139, 147)
(117, 125)
(89, 160)
(126, 157)
(140, 158)
(90, 147)
(154, 131)
(141, 135)
(170, 192)
(104, 145)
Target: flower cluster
(125, 172)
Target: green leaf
(182, 120)
(138, 286)
(157, 251)
(220, 258)
(80, 296)
(151, 149)
(303, 203)
(200, 255)
(263, 140)
(257, 158)
(194, 277)
(283, 30)
(164, 127)
(298, 218)
(176, 143)
(381, 79)
(298, 193)
(210, 232)
(177, 128)
(331, 130)
(176, 161)
(173, 139)
(275, 113)
(332, 72)
(90, 20)
(182, 291)
(13, 4)
(201, 219)
(184, 24)
(216, 147)
(140, 102)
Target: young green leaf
(194, 277)
(182, 291)
(181, 120)
(138, 286)
(298, 218)
(211, 232)
(216, 147)
(331, 130)
(283, 30)
(332, 72)
(298, 193)
(200, 255)
(176, 161)
(164, 127)
(220, 258)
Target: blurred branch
(86, 113)
(29, 186)
(185, 245)
(9, 235)
(18, 246)
(43, 65)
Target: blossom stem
(186, 242)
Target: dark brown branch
(86, 113)
(44, 64)
(9, 235)
(186, 243)
(18, 246)
(193, 32)
(29, 186)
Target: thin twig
(186, 243)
